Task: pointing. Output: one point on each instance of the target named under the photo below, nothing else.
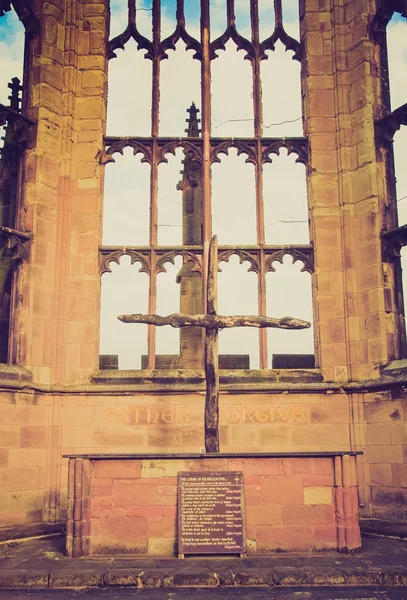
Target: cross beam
(212, 323)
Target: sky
(11, 52)
(126, 214)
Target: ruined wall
(38, 429)
(354, 297)
(56, 326)
(347, 187)
(24, 458)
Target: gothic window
(243, 159)
(397, 60)
(14, 137)
(388, 29)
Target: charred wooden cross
(212, 322)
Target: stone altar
(127, 503)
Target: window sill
(395, 369)
(13, 372)
(227, 377)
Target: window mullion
(155, 112)
(262, 310)
(152, 309)
(155, 118)
(206, 132)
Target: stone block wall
(174, 422)
(386, 454)
(24, 459)
(355, 311)
(37, 429)
(56, 326)
(291, 504)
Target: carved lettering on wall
(266, 414)
(179, 415)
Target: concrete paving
(41, 563)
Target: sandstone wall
(386, 452)
(57, 324)
(130, 506)
(25, 455)
(37, 429)
(56, 328)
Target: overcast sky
(127, 181)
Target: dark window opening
(14, 135)
(388, 29)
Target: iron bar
(155, 118)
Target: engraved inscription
(147, 415)
(266, 414)
(180, 415)
(210, 514)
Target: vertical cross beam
(211, 355)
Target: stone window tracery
(205, 38)
(16, 134)
(391, 140)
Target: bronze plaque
(210, 513)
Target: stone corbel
(392, 243)
(22, 126)
(14, 240)
(24, 13)
(385, 11)
(386, 128)
(5, 6)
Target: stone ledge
(381, 528)
(192, 381)
(395, 369)
(18, 532)
(187, 455)
(14, 372)
(226, 376)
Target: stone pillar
(57, 326)
(191, 338)
(79, 508)
(356, 322)
(319, 112)
(346, 503)
(191, 301)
